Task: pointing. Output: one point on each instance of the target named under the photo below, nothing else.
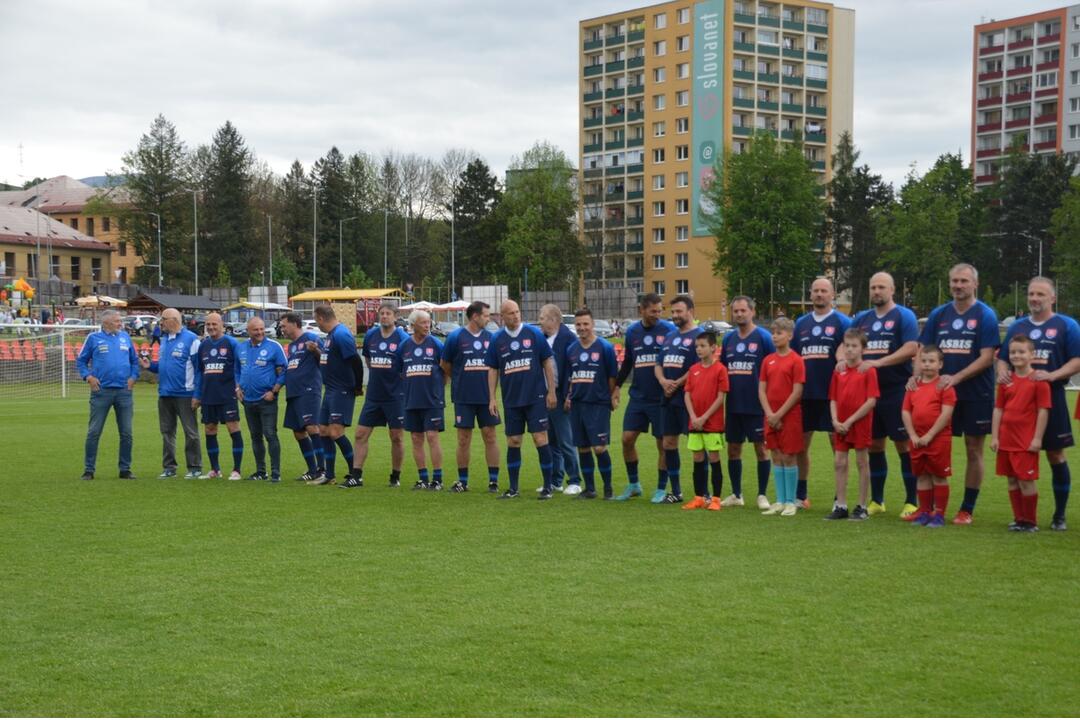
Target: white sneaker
(789, 510)
(554, 489)
(732, 501)
(774, 509)
(572, 489)
(234, 475)
(763, 503)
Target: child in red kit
(852, 397)
(783, 375)
(1020, 415)
(706, 387)
(927, 415)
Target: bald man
(520, 360)
(262, 366)
(176, 371)
(217, 392)
(892, 339)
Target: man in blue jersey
(463, 362)
(343, 380)
(303, 392)
(892, 333)
(818, 336)
(217, 391)
(262, 374)
(564, 456)
(742, 353)
(383, 402)
(175, 368)
(423, 386)
(966, 331)
(1057, 358)
(520, 360)
(592, 396)
(641, 351)
(672, 367)
(108, 364)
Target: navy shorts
(816, 416)
(424, 420)
(337, 407)
(301, 411)
(674, 418)
(227, 411)
(888, 417)
(591, 424)
(1058, 433)
(534, 417)
(740, 427)
(640, 417)
(468, 414)
(376, 414)
(973, 417)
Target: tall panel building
(1026, 88)
(663, 89)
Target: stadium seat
(16, 350)
(5, 350)
(71, 352)
(39, 350)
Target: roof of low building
(59, 195)
(27, 226)
(173, 300)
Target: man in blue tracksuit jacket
(262, 375)
(177, 368)
(564, 456)
(108, 364)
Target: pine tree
(228, 218)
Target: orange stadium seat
(5, 350)
(39, 350)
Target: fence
(39, 361)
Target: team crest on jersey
(514, 345)
(213, 352)
(224, 351)
(417, 352)
(816, 331)
(647, 340)
(752, 347)
(527, 343)
(957, 324)
(583, 357)
(1051, 333)
(830, 331)
(430, 352)
(262, 353)
(889, 324)
(595, 356)
(382, 346)
(477, 345)
(393, 347)
(741, 347)
(1035, 334)
(876, 326)
(972, 324)
(688, 342)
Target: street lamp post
(270, 246)
(385, 246)
(341, 224)
(195, 209)
(157, 218)
(314, 234)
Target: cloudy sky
(83, 80)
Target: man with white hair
(520, 357)
(262, 375)
(423, 385)
(564, 456)
(175, 368)
(108, 364)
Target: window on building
(31, 265)
(123, 249)
(682, 43)
(817, 16)
(660, 21)
(764, 67)
(659, 74)
(659, 102)
(658, 129)
(54, 265)
(657, 262)
(682, 125)
(658, 155)
(659, 48)
(95, 269)
(9, 264)
(106, 222)
(682, 179)
(682, 70)
(1074, 77)
(1074, 132)
(815, 71)
(683, 14)
(682, 233)
(682, 152)
(1046, 80)
(682, 98)
(658, 287)
(658, 235)
(74, 223)
(657, 182)
(90, 226)
(658, 208)
(768, 37)
(682, 287)
(75, 269)
(1074, 105)
(682, 206)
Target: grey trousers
(169, 409)
(262, 422)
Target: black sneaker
(493, 487)
(321, 479)
(435, 485)
(257, 475)
(838, 513)
(395, 483)
(1029, 528)
(672, 499)
(351, 481)
(87, 475)
(859, 514)
(587, 495)
(275, 478)
(306, 477)
(420, 485)
(1059, 524)
(509, 495)
(544, 495)
(609, 494)
(127, 475)
(459, 487)
(1015, 526)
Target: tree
(296, 218)
(1065, 231)
(223, 278)
(480, 226)
(451, 174)
(768, 218)
(856, 198)
(285, 271)
(356, 278)
(228, 204)
(328, 177)
(539, 206)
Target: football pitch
(209, 597)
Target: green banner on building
(708, 126)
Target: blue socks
(911, 495)
(345, 445)
(544, 452)
(631, 472)
(787, 480)
(436, 476)
(734, 469)
(587, 467)
(879, 470)
(212, 452)
(317, 447)
(421, 474)
(800, 488)
(513, 466)
(970, 496)
(237, 449)
(493, 474)
(1062, 483)
(603, 464)
(463, 476)
(763, 468)
(329, 455)
(308, 451)
(671, 457)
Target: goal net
(38, 362)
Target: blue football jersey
(885, 335)
(519, 358)
(384, 364)
(643, 345)
(339, 346)
(590, 369)
(676, 357)
(742, 356)
(302, 374)
(219, 367)
(817, 341)
(465, 353)
(422, 375)
(961, 337)
(1057, 340)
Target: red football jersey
(925, 403)
(1020, 402)
(780, 373)
(703, 384)
(850, 389)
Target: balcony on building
(792, 18)
(744, 14)
(991, 100)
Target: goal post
(38, 362)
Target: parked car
(444, 328)
(603, 328)
(237, 328)
(311, 327)
(139, 324)
(78, 322)
(197, 324)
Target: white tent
(456, 306)
(99, 300)
(421, 305)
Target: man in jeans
(176, 369)
(564, 456)
(262, 373)
(107, 363)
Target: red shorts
(858, 437)
(1019, 464)
(935, 460)
(789, 438)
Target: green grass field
(155, 597)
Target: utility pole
(314, 233)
